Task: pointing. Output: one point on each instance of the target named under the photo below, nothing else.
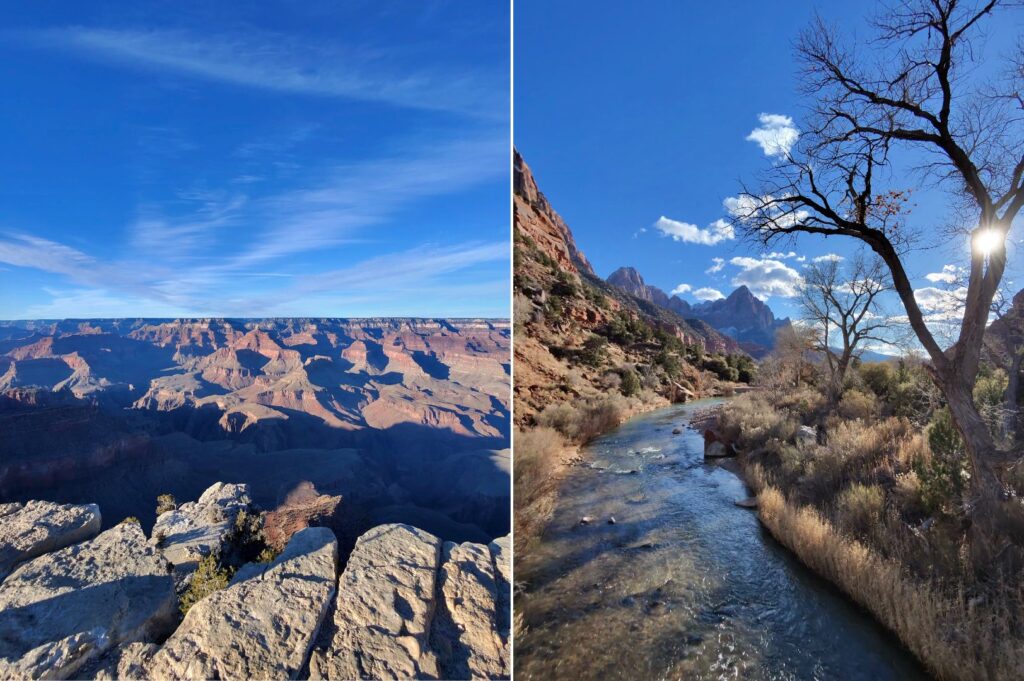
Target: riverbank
(956, 631)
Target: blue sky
(254, 159)
(633, 112)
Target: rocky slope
(560, 305)
(404, 603)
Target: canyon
(406, 419)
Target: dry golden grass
(538, 453)
(955, 637)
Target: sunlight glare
(987, 241)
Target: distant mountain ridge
(741, 316)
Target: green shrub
(988, 397)
(630, 382)
(944, 474)
(165, 503)
(208, 578)
(130, 519)
(594, 351)
(879, 377)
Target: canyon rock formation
(403, 604)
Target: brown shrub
(859, 509)
(857, 404)
(537, 453)
(588, 420)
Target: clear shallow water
(685, 584)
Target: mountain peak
(627, 276)
(743, 292)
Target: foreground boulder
(408, 607)
(263, 624)
(501, 549)
(385, 606)
(465, 634)
(66, 608)
(200, 528)
(37, 527)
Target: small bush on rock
(165, 503)
(208, 578)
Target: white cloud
(718, 264)
(766, 211)
(802, 258)
(716, 232)
(940, 304)
(765, 277)
(681, 289)
(833, 257)
(948, 275)
(708, 294)
(781, 256)
(777, 134)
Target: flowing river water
(684, 584)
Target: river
(684, 584)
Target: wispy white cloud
(781, 256)
(716, 232)
(177, 261)
(766, 277)
(829, 257)
(948, 275)
(717, 265)
(680, 290)
(279, 63)
(777, 134)
(706, 293)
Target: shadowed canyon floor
(406, 419)
(683, 583)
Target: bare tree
(915, 87)
(789, 365)
(842, 305)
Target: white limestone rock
(385, 605)
(464, 634)
(200, 528)
(37, 527)
(66, 608)
(263, 624)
